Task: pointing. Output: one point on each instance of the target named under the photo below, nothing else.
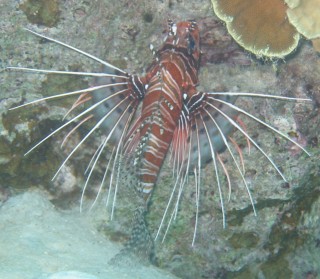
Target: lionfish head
(185, 35)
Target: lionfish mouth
(203, 128)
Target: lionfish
(146, 117)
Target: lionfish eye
(193, 24)
(171, 27)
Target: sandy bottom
(39, 242)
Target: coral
(260, 27)
(304, 15)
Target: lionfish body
(169, 105)
(146, 117)
(173, 73)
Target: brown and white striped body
(172, 75)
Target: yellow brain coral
(259, 26)
(305, 16)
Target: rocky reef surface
(283, 239)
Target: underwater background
(42, 233)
